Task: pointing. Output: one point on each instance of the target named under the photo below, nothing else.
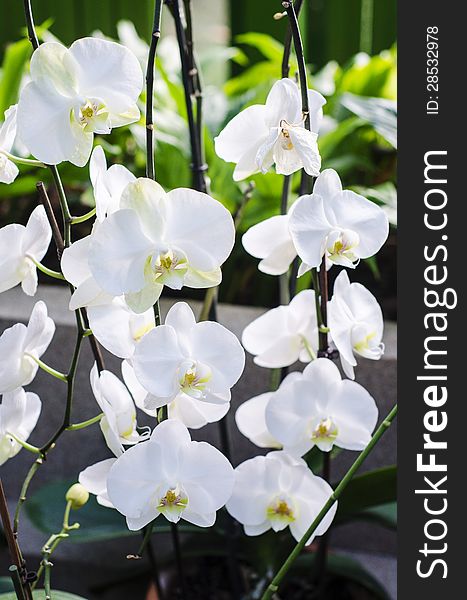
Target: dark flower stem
(18, 572)
(320, 280)
(155, 37)
(198, 165)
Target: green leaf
(379, 112)
(370, 76)
(269, 47)
(45, 510)
(329, 143)
(40, 595)
(385, 515)
(344, 567)
(367, 491)
(314, 458)
(6, 584)
(23, 185)
(261, 73)
(16, 57)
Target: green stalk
(366, 26)
(84, 424)
(48, 369)
(277, 580)
(83, 218)
(23, 161)
(46, 270)
(24, 444)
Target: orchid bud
(78, 495)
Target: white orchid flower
(271, 241)
(108, 183)
(200, 360)
(338, 224)
(190, 411)
(284, 334)
(170, 475)
(89, 88)
(277, 491)
(250, 418)
(274, 133)
(156, 239)
(21, 346)
(94, 479)
(75, 268)
(118, 424)
(320, 409)
(8, 169)
(20, 248)
(118, 328)
(356, 323)
(19, 412)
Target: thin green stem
(275, 379)
(277, 580)
(308, 348)
(51, 544)
(24, 444)
(209, 298)
(83, 218)
(179, 560)
(146, 538)
(366, 26)
(48, 369)
(23, 161)
(24, 490)
(46, 270)
(84, 424)
(70, 378)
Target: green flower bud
(77, 495)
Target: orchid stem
(46, 270)
(320, 280)
(83, 218)
(179, 561)
(48, 369)
(84, 424)
(155, 37)
(277, 580)
(23, 161)
(198, 166)
(49, 547)
(18, 568)
(23, 494)
(24, 444)
(56, 234)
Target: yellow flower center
(280, 513)
(326, 430)
(364, 344)
(173, 503)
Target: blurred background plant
(358, 136)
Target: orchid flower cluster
(181, 372)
